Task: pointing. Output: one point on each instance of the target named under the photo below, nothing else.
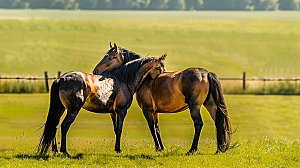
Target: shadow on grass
(163, 154)
(32, 156)
(44, 157)
(139, 156)
(154, 156)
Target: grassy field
(228, 43)
(268, 136)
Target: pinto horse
(173, 92)
(111, 92)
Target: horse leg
(198, 123)
(155, 115)
(150, 119)
(54, 146)
(60, 110)
(121, 113)
(69, 119)
(114, 120)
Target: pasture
(268, 136)
(227, 43)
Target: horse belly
(171, 103)
(94, 103)
(97, 108)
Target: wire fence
(234, 85)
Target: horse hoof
(159, 149)
(119, 151)
(66, 154)
(191, 151)
(55, 152)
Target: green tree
(243, 5)
(34, 4)
(219, 4)
(193, 4)
(157, 4)
(124, 4)
(176, 5)
(288, 5)
(265, 4)
(94, 4)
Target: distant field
(268, 135)
(228, 43)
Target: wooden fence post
(244, 81)
(58, 74)
(46, 81)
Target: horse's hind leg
(69, 119)
(198, 123)
(211, 107)
(60, 112)
(150, 120)
(114, 120)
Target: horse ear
(110, 45)
(163, 57)
(116, 49)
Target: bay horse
(110, 92)
(173, 92)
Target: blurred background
(247, 5)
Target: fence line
(243, 79)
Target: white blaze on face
(104, 89)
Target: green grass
(268, 136)
(22, 86)
(228, 43)
(263, 44)
(262, 87)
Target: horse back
(172, 91)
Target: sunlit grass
(264, 45)
(268, 135)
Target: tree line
(153, 4)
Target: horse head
(152, 69)
(111, 60)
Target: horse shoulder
(123, 96)
(144, 95)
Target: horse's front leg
(155, 115)
(153, 126)
(121, 113)
(198, 123)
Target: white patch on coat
(104, 89)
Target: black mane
(129, 55)
(128, 71)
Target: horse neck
(130, 56)
(132, 74)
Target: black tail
(222, 121)
(56, 109)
